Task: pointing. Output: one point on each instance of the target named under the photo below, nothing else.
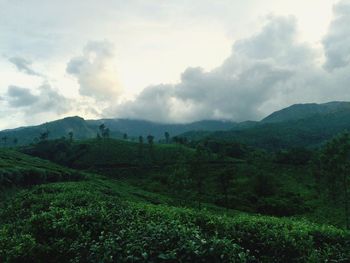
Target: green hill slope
(17, 169)
(303, 111)
(57, 129)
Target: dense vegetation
(214, 197)
(96, 221)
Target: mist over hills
(298, 125)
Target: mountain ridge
(309, 120)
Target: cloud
(337, 42)
(96, 72)
(265, 72)
(24, 66)
(256, 70)
(46, 100)
(20, 97)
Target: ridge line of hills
(301, 125)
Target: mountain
(297, 125)
(300, 125)
(135, 128)
(85, 129)
(57, 129)
(303, 111)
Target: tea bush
(90, 222)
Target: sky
(169, 60)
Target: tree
(104, 131)
(225, 179)
(70, 135)
(198, 170)
(44, 135)
(4, 140)
(15, 141)
(150, 139)
(167, 136)
(125, 136)
(335, 164)
(102, 127)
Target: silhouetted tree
(102, 128)
(15, 141)
(44, 135)
(125, 136)
(150, 139)
(167, 136)
(70, 135)
(104, 131)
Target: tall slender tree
(198, 171)
(335, 164)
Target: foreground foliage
(93, 221)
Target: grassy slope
(18, 169)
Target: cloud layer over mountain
(269, 70)
(266, 71)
